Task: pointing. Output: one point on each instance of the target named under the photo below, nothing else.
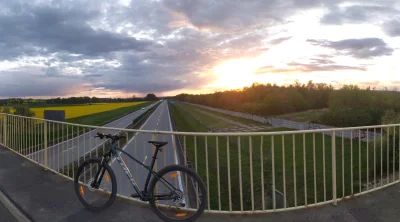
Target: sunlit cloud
(105, 48)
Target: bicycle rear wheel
(95, 199)
(177, 194)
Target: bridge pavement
(46, 196)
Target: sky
(121, 48)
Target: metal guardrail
(241, 170)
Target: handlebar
(109, 136)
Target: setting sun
(235, 74)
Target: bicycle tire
(192, 173)
(113, 181)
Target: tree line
(21, 106)
(348, 106)
(75, 100)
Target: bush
(386, 144)
(348, 117)
(5, 110)
(23, 111)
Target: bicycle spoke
(178, 202)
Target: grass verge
(244, 168)
(234, 118)
(305, 116)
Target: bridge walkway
(45, 196)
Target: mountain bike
(93, 183)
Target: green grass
(234, 118)
(207, 121)
(293, 166)
(304, 116)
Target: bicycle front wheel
(100, 197)
(177, 193)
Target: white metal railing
(276, 122)
(246, 172)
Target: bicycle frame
(143, 196)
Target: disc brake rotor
(89, 186)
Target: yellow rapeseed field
(83, 110)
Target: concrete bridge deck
(44, 196)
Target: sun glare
(234, 74)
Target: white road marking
(69, 149)
(176, 158)
(123, 148)
(83, 138)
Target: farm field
(299, 175)
(33, 129)
(73, 111)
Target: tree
(151, 97)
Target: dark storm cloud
(39, 30)
(392, 28)
(359, 48)
(20, 84)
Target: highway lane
(63, 153)
(158, 121)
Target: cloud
(41, 30)
(149, 46)
(323, 67)
(235, 16)
(280, 40)
(365, 12)
(307, 68)
(322, 63)
(358, 14)
(364, 48)
(18, 83)
(392, 28)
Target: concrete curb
(15, 212)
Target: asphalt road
(61, 154)
(159, 121)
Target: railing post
(334, 168)
(5, 130)
(45, 144)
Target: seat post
(154, 157)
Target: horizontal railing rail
(216, 133)
(244, 172)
